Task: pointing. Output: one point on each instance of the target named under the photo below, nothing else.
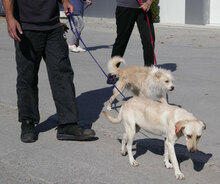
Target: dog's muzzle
(172, 88)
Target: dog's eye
(167, 81)
(189, 136)
(198, 137)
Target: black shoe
(74, 132)
(28, 132)
(112, 79)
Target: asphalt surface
(191, 52)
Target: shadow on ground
(48, 124)
(100, 47)
(156, 146)
(90, 105)
(169, 66)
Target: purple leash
(71, 19)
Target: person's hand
(89, 2)
(13, 27)
(146, 6)
(68, 7)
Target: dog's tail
(112, 64)
(112, 119)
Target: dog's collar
(176, 129)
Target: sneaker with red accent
(80, 49)
(73, 48)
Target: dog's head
(165, 78)
(192, 130)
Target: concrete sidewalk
(191, 52)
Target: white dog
(161, 119)
(151, 82)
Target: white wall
(214, 12)
(200, 12)
(197, 12)
(172, 11)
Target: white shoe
(73, 48)
(80, 49)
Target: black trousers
(125, 20)
(52, 47)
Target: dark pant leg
(61, 76)
(28, 57)
(145, 36)
(125, 20)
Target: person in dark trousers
(37, 33)
(127, 13)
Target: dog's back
(148, 114)
(125, 72)
(144, 112)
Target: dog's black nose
(192, 150)
(172, 88)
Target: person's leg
(125, 20)
(60, 75)
(28, 57)
(74, 42)
(74, 36)
(145, 37)
(61, 80)
(74, 45)
(80, 26)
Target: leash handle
(151, 36)
(77, 33)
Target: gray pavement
(191, 52)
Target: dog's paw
(123, 152)
(179, 176)
(168, 165)
(134, 163)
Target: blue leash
(71, 19)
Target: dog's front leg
(167, 163)
(120, 85)
(172, 154)
(123, 144)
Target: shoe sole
(113, 82)
(29, 140)
(74, 51)
(73, 138)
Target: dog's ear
(179, 126)
(157, 74)
(203, 124)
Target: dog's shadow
(48, 124)
(90, 105)
(156, 146)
